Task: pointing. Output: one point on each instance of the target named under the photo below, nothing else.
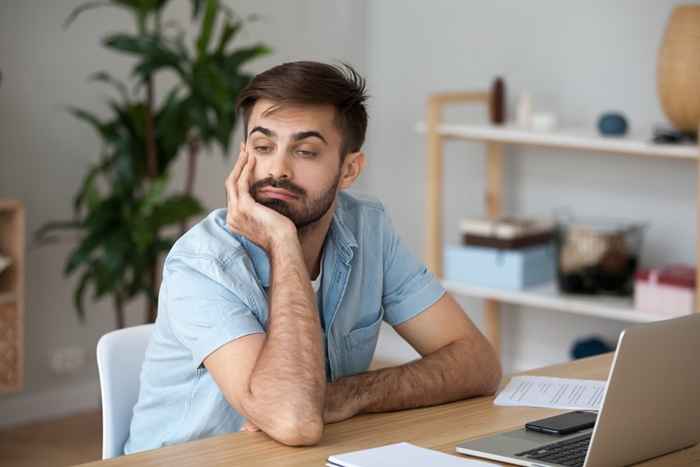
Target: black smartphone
(563, 424)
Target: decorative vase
(678, 68)
(612, 124)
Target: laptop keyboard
(571, 452)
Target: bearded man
(270, 309)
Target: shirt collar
(341, 234)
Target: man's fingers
(247, 426)
(240, 163)
(244, 181)
(231, 194)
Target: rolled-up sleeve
(409, 288)
(203, 313)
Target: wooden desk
(441, 428)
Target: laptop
(651, 406)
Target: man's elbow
(293, 424)
(295, 430)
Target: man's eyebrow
(308, 134)
(265, 131)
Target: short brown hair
(313, 83)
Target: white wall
(577, 59)
(44, 153)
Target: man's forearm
(289, 377)
(457, 371)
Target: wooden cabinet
(12, 245)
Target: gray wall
(577, 59)
(44, 153)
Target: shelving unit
(568, 138)
(12, 234)
(548, 297)
(495, 139)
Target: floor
(67, 441)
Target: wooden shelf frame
(495, 139)
(8, 297)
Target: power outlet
(67, 360)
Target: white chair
(120, 355)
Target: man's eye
(304, 153)
(263, 149)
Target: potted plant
(123, 210)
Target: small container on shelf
(507, 233)
(598, 256)
(513, 269)
(669, 290)
(506, 253)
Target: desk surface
(441, 428)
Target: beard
(312, 209)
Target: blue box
(505, 269)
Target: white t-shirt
(316, 283)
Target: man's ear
(352, 167)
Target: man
(270, 309)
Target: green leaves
(139, 8)
(121, 210)
(83, 8)
(175, 210)
(155, 52)
(238, 58)
(142, 6)
(212, 9)
(104, 77)
(229, 31)
(121, 239)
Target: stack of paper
(401, 455)
(553, 393)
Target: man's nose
(277, 166)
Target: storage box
(668, 290)
(494, 267)
(507, 233)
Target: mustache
(282, 183)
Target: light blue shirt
(214, 290)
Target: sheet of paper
(401, 455)
(554, 393)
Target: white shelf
(580, 139)
(549, 297)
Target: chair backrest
(120, 355)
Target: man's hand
(249, 426)
(464, 365)
(279, 385)
(258, 223)
(342, 401)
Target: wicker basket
(12, 234)
(9, 354)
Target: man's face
(297, 151)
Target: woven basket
(9, 355)
(678, 68)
